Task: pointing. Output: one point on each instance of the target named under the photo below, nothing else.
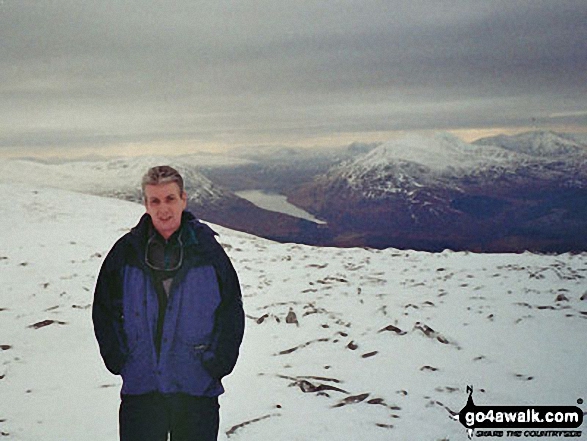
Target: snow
(539, 144)
(118, 177)
(438, 152)
(383, 344)
(441, 160)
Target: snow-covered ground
(116, 177)
(340, 344)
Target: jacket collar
(141, 232)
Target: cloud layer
(79, 72)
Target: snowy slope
(541, 143)
(118, 177)
(442, 160)
(382, 346)
(438, 152)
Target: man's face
(165, 203)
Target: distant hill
(435, 192)
(525, 192)
(121, 178)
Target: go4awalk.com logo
(520, 421)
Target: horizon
(138, 150)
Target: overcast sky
(77, 75)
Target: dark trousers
(151, 417)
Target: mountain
(383, 346)
(424, 192)
(116, 177)
(541, 144)
(121, 178)
(279, 170)
(433, 192)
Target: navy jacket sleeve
(107, 315)
(221, 357)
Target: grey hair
(162, 174)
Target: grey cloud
(130, 67)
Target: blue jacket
(203, 324)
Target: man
(168, 318)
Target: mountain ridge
(447, 193)
(538, 143)
(424, 192)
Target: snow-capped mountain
(440, 152)
(121, 178)
(441, 191)
(417, 161)
(118, 177)
(541, 144)
(340, 344)
(429, 192)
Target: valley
(431, 192)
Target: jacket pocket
(138, 370)
(187, 368)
